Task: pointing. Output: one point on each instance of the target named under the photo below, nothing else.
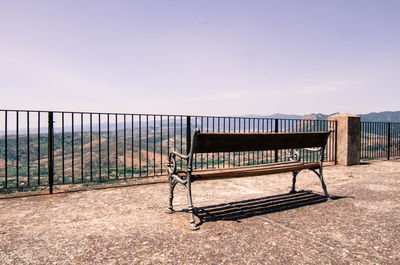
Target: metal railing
(380, 140)
(48, 148)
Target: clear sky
(200, 57)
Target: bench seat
(253, 170)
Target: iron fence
(48, 148)
(380, 140)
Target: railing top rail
(380, 122)
(157, 114)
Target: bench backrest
(235, 142)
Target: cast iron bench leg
(192, 225)
(321, 177)
(172, 184)
(294, 173)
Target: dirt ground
(249, 220)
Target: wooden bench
(241, 142)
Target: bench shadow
(235, 211)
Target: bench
(241, 142)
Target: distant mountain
(315, 116)
(386, 116)
(273, 116)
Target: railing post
(51, 152)
(388, 141)
(348, 138)
(276, 131)
(188, 135)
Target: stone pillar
(348, 138)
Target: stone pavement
(243, 221)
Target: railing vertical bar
(5, 150)
(17, 148)
(28, 149)
(213, 154)
(369, 135)
(82, 147)
(369, 128)
(99, 146)
(91, 147)
(254, 126)
(38, 148)
(263, 130)
(248, 152)
(219, 132)
(366, 138)
(371, 139)
(168, 136)
(207, 153)
(388, 140)
(234, 130)
(276, 131)
(161, 142)
(116, 147)
(108, 146)
(379, 139)
(202, 162)
(258, 131)
(320, 128)
(181, 141)
(147, 145)
(223, 154)
(239, 132)
(63, 147)
(132, 143)
(362, 129)
(382, 139)
(154, 145)
(195, 155)
(383, 136)
(73, 148)
(188, 135)
(140, 145)
(125, 146)
(229, 153)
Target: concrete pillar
(348, 138)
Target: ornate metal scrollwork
(294, 155)
(172, 164)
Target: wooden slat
(252, 170)
(236, 142)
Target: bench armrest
(317, 149)
(172, 161)
(179, 154)
(294, 155)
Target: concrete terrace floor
(244, 221)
